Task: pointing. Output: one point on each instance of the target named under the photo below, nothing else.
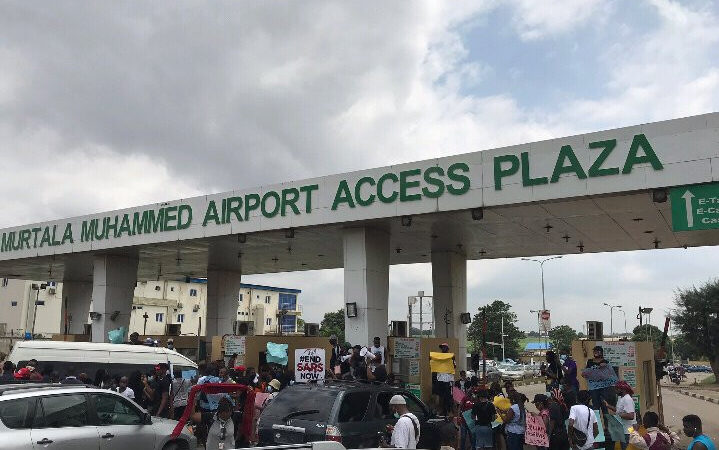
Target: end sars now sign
(309, 364)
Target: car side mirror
(147, 419)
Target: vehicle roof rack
(12, 388)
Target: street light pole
(611, 317)
(541, 268)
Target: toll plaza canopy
(622, 189)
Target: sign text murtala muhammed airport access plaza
(409, 185)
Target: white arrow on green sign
(695, 207)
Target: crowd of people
(495, 417)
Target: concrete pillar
(76, 299)
(366, 264)
(449, 289)
(113, 287)
(223, 295)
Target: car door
(61, 422)
(351, 419)
(121, 425)
(379, 416)
(16, 417)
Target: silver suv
(59, 417)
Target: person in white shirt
(624, 409)
(582, 419)
(377, 347)
(124, 390)
(406, 431)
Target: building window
(157, 288)
(40, 302)
(180, 318)
(193, 292)
(267, 299)
(51, 284)
(4, 282)
(288, 302)
(172, 288)
(269, 322)
(159, 317)
(240, 297)
(289, 323)
(13, 303)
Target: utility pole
(503, 338)
(144, 327)
(544, 305)
(611, 317)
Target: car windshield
(302, 404)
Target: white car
(514, 373)
(60, 417)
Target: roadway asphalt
(676, 406)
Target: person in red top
(467, 403)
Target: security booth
(632, 362)
(408, 359)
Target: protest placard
(309, 364)
(536, 432)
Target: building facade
(158, 307)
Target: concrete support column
(76, 299)
(113, 287)
(449, 289)
(366, 264)
(223, 294)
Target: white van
(89, 357)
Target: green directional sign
(695, 207)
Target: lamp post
(541, 268)
(625, 321)
(611, 317)
(36, 288)
(539, 324)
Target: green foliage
(697, 316)
(532, 334)
(561, 337)
(334, 323)
(494, 313)
(647, 332)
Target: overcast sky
(105, 105)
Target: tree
(684, 349)
(334, 323)
(647, 332)
(533, 334)
(300, 324)
(562, 337)
(697, 316)
(494, 313)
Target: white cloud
(537, 20)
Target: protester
(8, 372)
(219, 425)
(179, 394)
(553, 371)
(502, 405)
(377, 348)
(466, 435)
(599, 378)
(582, 423)
(569, 370)
(483, 414)
(693, 428)
(157, 391)
(515, 421)
(134, 382)
(171, 344)
(123, 389)
(558, 413)
(406, 431)
(336, 353)
(541, 402)
(624, 409)
(463, 382)
(135, 338)
(444, 384)
(657, 436)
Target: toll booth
(408, 359)
(633, 362)
(251, 350)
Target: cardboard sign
(234, 344)
(309, 364)
(406, 347)
(536, 432)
